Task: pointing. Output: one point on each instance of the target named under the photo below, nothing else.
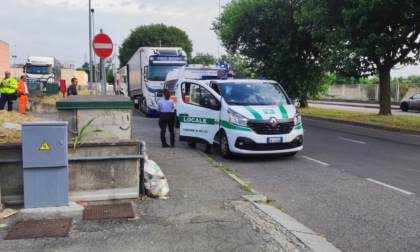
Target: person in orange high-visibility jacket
(22, 92)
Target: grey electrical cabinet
(45, 164)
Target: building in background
(4, 57)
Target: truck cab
(242, 116)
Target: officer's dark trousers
(167, 119)
(6, 98)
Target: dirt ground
(13, 135)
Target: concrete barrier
(97, 171)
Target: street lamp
(14, 63)
(90, 49)
(218, 40)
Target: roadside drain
(111, 211)
(39, 228)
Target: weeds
(84, 132)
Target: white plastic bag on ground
(154, 180)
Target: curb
(308, 237)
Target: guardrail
(370, 92)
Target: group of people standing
(11, 90)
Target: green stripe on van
(196, 120)
(253, 112)
(283, 112)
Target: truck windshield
(31, 69)
(253, 93)
(159, 72)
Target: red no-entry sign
(102, 45)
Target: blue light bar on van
(223, 64)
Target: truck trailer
(147, 70)
(120, 82)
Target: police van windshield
(32, 69)
(159, 72)
(253, 93)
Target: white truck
(147, 70)
(42, 70)
(120, 82)
(242, 116)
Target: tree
(365, 37)
(154, 35)
(236, 63)
(266, 34)
(110, 75)
(85, 67)
(203, 58)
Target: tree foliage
(236, 63)
(153, 35)
(203, 58)
(266, 34)
(365, 37)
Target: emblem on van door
(273, 122)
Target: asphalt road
(359, 187)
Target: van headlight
(237, 119)
(297, 119)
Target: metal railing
(38, 87)
(370, 92)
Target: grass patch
(245, 200)
(14, 135)
(270, 201)
(281, 208)
(52, 99)
(395, 121)
(246, 188)
(222, 167)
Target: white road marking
(350, 140)
(317, 161)
(389, 186)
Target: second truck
(146, 73)
(42, 70)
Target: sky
(60, 28)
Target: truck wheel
(144, 108)
(224, 146)
(136, 106)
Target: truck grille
(265, 128)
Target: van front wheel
(224, 146)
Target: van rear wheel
(224, 146)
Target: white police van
(242, 116)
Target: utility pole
(90, 49)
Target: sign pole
(90, 50)
(102, 64)
(103, 47)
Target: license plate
(274, 139)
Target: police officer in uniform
(166, 117)
(72, 88)
(8, 87)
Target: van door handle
(183, 114)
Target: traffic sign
(102, 45)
